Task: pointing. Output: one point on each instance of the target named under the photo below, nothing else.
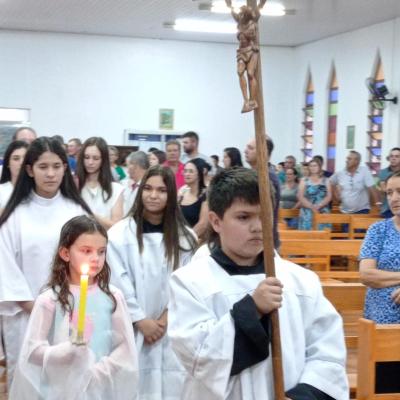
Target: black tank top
(191, 212)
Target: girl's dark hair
(105, 175)
(160, 155)
(60, 273)
(234, 154)
(25, 184)
(6, 173)
(200, 165)
(174, 225)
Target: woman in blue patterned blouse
(380, 262)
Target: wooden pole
(267, 219)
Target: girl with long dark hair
(54, 363)
(192, 197)
(13, 158)
(95, 182)
(232, 157)
(44, 198)
(143, 250)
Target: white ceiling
(313, 20)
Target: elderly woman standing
(380, 262)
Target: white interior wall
(354, 55)
(81, 86)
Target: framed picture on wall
(350, 133)
(166, 118)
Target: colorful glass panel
(308, 121)
(332, 124)
(333, 97)
(333, 109)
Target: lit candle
(82, 301)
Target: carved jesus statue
(248, 51)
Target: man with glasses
(354, 186)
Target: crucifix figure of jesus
(248, 51)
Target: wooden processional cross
(249, 71)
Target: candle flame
(84, 269)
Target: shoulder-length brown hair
(174, 226)
(60, 275)
(105, 175)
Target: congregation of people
(178, 304)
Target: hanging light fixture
(271, 9)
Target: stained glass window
(308, 122)
(375, 124)
(332, 122)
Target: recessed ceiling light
(198, 25)
(271, 9)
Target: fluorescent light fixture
(271, 9)
(198, 25)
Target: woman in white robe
(45, 197)
(143, 250)
(104, 197)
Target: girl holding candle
(53, 364)
(103, 196)
(44, 198)
(143, 250)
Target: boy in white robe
(219, 322)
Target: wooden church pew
(376, 343)
(361, 221)
(287, 213)
(304, 235)
(336, 220)
(348, 299)
(315, 254)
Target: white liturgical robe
(94, 198)
(52, 368)
(28, 241)
(202, 332)
(144, 281)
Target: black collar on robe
(151, 228)
(233, 269)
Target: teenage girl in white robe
(13, 157)
(52, 365)
(12, 162)
(96, 185)
(44, 198)
(143, 250)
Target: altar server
(55, 363)
(95, 181)
(44, 198)
(219, 311)
(143, 250)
